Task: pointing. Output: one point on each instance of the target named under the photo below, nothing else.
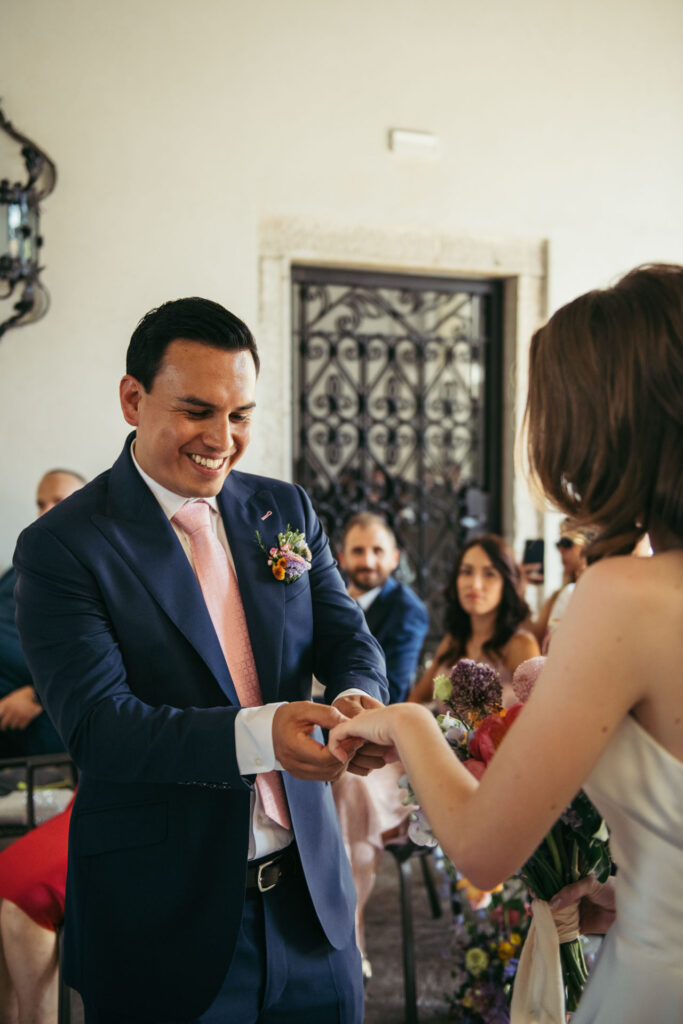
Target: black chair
(31, 774)
(404, 854)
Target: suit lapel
(137, 527)
(263, 597)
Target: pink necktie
(221, 592)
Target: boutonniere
(292, 556)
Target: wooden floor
(384, 992)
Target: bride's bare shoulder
(622, 628)
(659, 576)
(643, 597)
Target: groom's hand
(294, 746)
(367, 756)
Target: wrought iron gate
(397, 383)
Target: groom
(207, 878)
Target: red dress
(33, 871)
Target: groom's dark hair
(195, 319)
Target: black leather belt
(265, 874)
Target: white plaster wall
(176, 128)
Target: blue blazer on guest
(39, 736)
(126, 660)
(399, 621)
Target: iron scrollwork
(398, 396)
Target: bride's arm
(593, 676)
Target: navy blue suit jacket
(399, 621)
(125, 658)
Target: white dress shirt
(366, 599)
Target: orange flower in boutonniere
(291, 558)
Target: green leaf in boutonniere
(291, 558)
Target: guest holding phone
(571, 545)
(533, 570)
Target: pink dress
(368, 807)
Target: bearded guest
(370, 809)
(395, 615)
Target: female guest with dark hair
(605, 442)
(484, 612)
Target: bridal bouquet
(475, 725)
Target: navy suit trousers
(283, 970)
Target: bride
(604, 423)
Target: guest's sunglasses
(564, 543)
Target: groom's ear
(131, 392)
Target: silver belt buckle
(259, 883)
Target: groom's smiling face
(194, 423)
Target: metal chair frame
(32, 764)
(403, 854)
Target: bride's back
(655, 643)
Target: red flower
(509, 917)
(487, 737)
(476, 768)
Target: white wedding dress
(637, 786)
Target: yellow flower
(279, 567)
(476, 961)
(506, 950)
(515, 939)
(466, 1001)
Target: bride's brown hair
(604, 414)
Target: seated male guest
(371, 809)
(396, 616)
(175, 651)
(25, 729)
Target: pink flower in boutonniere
(291, 558)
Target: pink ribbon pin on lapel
(266, 515)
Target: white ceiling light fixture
(408, 142)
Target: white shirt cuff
(350, 693)
(254, 739)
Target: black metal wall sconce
(20, 239)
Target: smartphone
(534, 553)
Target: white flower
(419, 831)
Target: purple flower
(488, 999)
(510, 969)
(476, 690)
(572, 818)
(295, 565)
(291, 559)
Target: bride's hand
(597, 909)
(369, 726)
